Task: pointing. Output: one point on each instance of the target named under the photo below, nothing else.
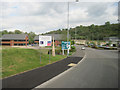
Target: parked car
(98, 45)
(86, 45)
(82, 48)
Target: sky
(40, 17)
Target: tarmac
(40, 75)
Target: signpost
(65, 46)
(45, 41)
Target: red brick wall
(12, 42)
(57, 43)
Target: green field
(18, 60)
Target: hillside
(92, 32)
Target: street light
(68, 27)
(75, 27)
(77, 1)
(68, 30)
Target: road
(98, 69)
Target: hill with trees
(92, 32)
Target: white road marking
(72, 64)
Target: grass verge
(17, 60)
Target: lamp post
(68, 30)
(75, 27)
(68, 27)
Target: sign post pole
(49, 55)
(67, 52)
(40, 55)
(63, 51)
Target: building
(57, 38)
(82, 42)
(15, 39)
(112, 40)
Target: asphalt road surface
(98, 69)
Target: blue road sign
(65, 45)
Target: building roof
(14, 36)
(111, 38)
(56, 36)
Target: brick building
(57, 38)
(15, 39)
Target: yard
(18, 60)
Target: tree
(4, 32)
(31, 37)
(26, 33)
(18, 32)
(10, 32)
(0, 34)
(107, 23)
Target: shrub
(72, 42)
(73, 49)
(57, 52)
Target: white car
(82, 48)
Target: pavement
(35, 77)
(98, 69)
(31, 47)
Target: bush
(73, 49)
(77, 44)
(57, 52)
(72, 42)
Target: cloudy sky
(41, 17)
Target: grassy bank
(17, 60)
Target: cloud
(93, 13)
(59, 1)
(41, 17)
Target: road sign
(65, 45)
(45, 40)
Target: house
(57, 38)
(15, 39)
